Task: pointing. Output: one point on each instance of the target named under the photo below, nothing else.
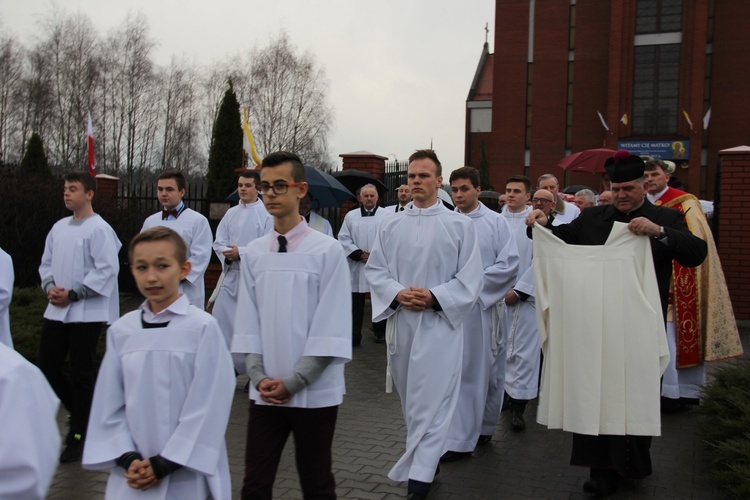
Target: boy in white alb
(29, 439)
(192, 226)
(482, 343)
(165, 388)
(6, 294)
(79, 274)
(425, 273)
(241, 225)
(294, 326)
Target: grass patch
(26, 310)
(26, 319)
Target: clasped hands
(58, 296)
(273, 391)
(140, 475)
(415, 299)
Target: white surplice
(359, 233)
(83, 252)
(295, 304)
(519, 324)
(29, 437)
(196, 232)
(497, 247)
(239, 226)
(436, 249)
(320, 224)
(6, 294)
(165, 391)
(604, 347)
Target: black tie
(400, 209)
(282, 244)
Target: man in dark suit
(613, 457)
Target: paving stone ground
(370, 438)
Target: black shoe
(672, 405)
(517, 422)
(417, 490)
(484, 439)
(599, 487)
(380, 340)
(452, 456)
(73, 451)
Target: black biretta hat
(624, 167)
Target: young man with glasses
(293, 325)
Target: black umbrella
(325, 189)
(355, 179)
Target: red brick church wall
(734, 220)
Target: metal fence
(395, 175)
(144, 195)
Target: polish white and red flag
(90, 147)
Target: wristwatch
(72, 296)
(662, 233)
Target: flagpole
(90, 146)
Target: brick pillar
(734, 238)
(106, 189)
(366, 162)
(363, 161)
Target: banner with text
(663, 150)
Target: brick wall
(734, 219)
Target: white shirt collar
(177, 308)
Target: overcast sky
(399, 70)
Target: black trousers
(358, 315)
(629, 456)
(268, 429)
(76, 389)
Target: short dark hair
(86, 179)
(470, 173)
(160, 233)
(177, 176)
(427, 154)
(520, 178)
(655, 163)
(279, 157)
(251, 174)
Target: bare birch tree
(11, 78)
(288, 102)
(70, 50)
(129, 85)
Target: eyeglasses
(540, 200)
(278, 187)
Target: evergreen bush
(725, 426)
